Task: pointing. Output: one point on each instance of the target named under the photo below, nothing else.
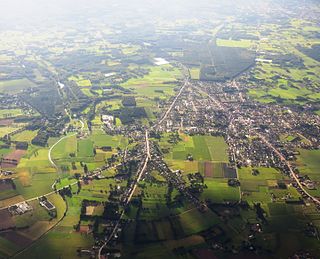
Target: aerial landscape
(160, 129)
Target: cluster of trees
(127, 115)
(41, 138)
(129, 101)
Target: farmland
(152, 129)
(201, 148)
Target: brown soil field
(6, 185)
(15, 155)
(11, 201)
(6, 220)
(16, 238)
(6, 122)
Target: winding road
(55, 144)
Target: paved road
(292, 173)
(35, 198)
(55, 144)
(144, 167)
(282, 158)
(52, 162)
(172, 104)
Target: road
(52, 162)
(55, 144)
(172, 104)
(143, 169)
(282, 158)
(292, 173)
(36, 198)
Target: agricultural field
(139, 123)
(30, 226)
(296, 70)
(10, 113)
(308, 163)
(201, 148)
(235, 43)
(15, 85)
(263, 185)
(218, 191)
(25, 136)
(158, 82)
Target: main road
(186, 82)
(143, 169)
(277, 152)
(292, 173)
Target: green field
(4, 130)
(202, 148)
(15, 85)
(194, 221)
(218, 191)
(195, 73)
(101, 139)
(260, 187)
(65, 147)
(309, 163)
(281, 81)
(26, 135)
(10, 113)
(36, 158)
(153, 84)
(85, 148)
(235, 43)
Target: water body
(61, 85)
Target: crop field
(65, 147)
(219, 191)
(85, 148)
(154, 202)
(235, 43)
(80, 81)
(10, 113)
(309, 162)
(262, 186)
(37, 184)
(164, 249)
(288, 86)
(195, 73)
(154, 83)
(30, 226)
(194, 221)
(25, 136)
(202, 148)
(8, 129)
(53, 245)
(35, 159)
(15, 85)
(100, 139)
(7, 190)
(156, 75)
